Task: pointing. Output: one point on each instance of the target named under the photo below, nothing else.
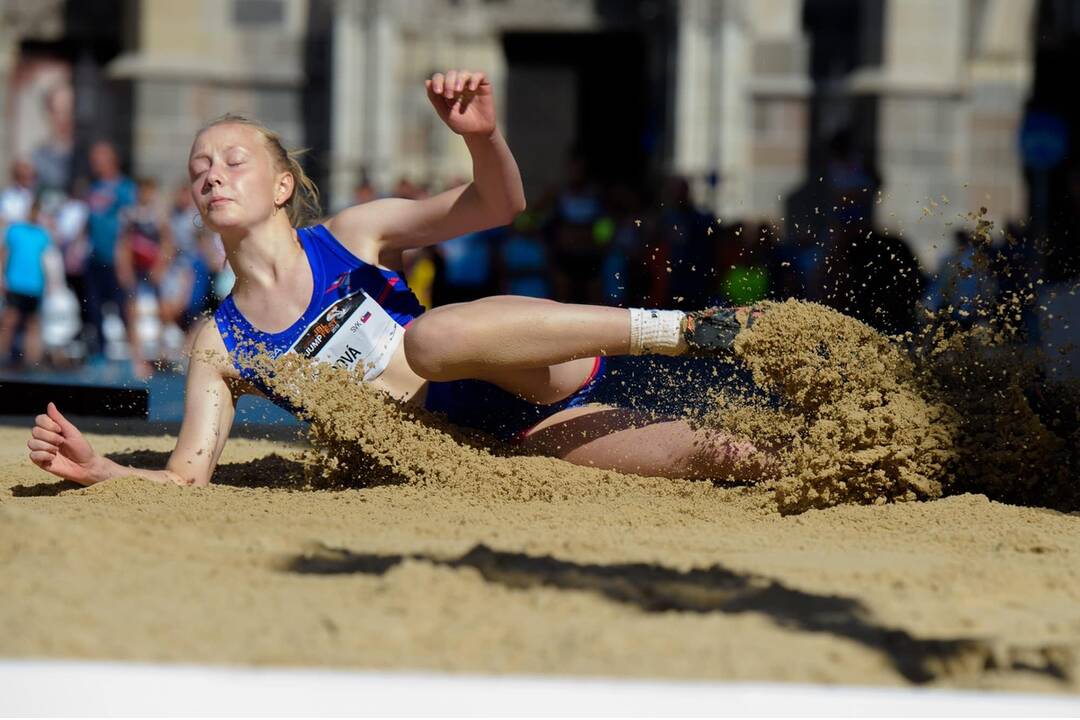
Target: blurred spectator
(1063, 243)
(16, 199)
(686, 235)
(409, 190)
(1017, 267)
(745, 280)
(187, 290)
(523, 259)
(70, 235)
(626, 276)
(110, 194)
(964, 282)
(182, 221)
(364, 191)
(142, 255)
(797, 264)
(873, 277)
(422, 266)
(459, 269)
(852, 183)
(467, 268)
(22, 267)
(576, 253)
(52, 158)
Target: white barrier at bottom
(113, 688)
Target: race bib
(355, 333)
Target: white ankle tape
(656, 332)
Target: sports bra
(354, 320)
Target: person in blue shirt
(524, 369)
(111, 194)
(22, 269)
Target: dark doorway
(316, 100)
(95, 34)
(1054, 190)
(589, 91)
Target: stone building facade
(738, 95)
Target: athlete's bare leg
(476, 339)
(623, 440)
(543, 351)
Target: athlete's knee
(724, 457)
(432, 342)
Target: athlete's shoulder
(209, 349)
(352, 228)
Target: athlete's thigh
(541, 385)
(628, 441)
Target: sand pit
(391, 544)
(645, 578)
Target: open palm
(463, 101)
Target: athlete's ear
(283, 188)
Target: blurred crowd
(112, 268)
(614, 244)
(115, 268)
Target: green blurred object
(745, 285)
(603, 230)
(526, 221)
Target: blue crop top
(354, 319)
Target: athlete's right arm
(57, 446)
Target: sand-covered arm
(57, 446)
(463, 101)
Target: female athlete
(521, 368)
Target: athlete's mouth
(214, 202)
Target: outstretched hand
(463, 100)
(58, 447)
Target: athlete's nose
(213, 179)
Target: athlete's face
(234, 183)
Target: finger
(42, 459)
(65, 425)
(463, 77)
(451, 83)
(35, 444)
(47, 422)
(439, 103)
(437, 81)
(474, 80)
(48, 436)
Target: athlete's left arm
(464, 102)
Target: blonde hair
(302, 206)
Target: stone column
(9, 46)
(364, 98)
(777, 119)
(731, 115)
(922, 128)
(695, 147)
(346, 102)
(1001, 72)
(740, 102)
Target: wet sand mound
(854, 426)
(865, 418)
